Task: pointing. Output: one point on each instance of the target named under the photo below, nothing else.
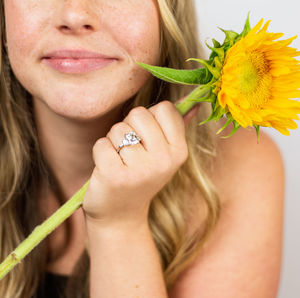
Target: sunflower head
(251, 79)
(257, 80)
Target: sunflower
(258, 80)
(250, 79)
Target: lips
(75, 54)
(76, 61)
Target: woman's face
(126, 30)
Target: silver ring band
(130, 138)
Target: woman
(180, 214)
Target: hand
(122, 185)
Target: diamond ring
(130, 139)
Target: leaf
(178, 76)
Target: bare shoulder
(243, 165)
(242, 257)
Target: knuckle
(137, 111)
(119, 126)
(100, 143)
(166, 104)
(168, 107)
(162, 107)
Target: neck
(67, 144)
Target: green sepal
(216, 115)
(216, 43)
(247, 27)
(218, 110)
(257, 131)
(210, 97)
(218, 51)
(196, 76)
(199, 94)
(215, 72)
(236, 127)
(226, 124)
(211, 117)
(218, 63)
(230, 37)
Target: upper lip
(66, 53)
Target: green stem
(192, 99)
(42, 230)
(66, 210)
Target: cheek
(139, 33)
(25, 21)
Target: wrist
(99, 229)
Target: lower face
(126, 30)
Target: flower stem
(42, 230)
(67, 209)
(196, 96)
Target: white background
(284, 16)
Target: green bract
(207, 78)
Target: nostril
(87, 26)
(64, 28)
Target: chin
(80, 107)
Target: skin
(80, 125)
(80, 108)
(79, 119)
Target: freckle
(137, 286)
(130, 79)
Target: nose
(78, 17)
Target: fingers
(170, 121)
(106, 157)
(146, 126)
(128, 154)
(159, 127)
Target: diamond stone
(131, 138)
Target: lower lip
(69, 65)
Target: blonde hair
(190, 193)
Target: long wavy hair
(22, 168)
